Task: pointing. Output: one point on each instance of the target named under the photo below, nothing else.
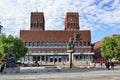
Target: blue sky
(102, 17)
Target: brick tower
(72, 21)
(37, 21)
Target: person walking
(112, 65)
(108, 65)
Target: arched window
(26, 44)
(30, 44)
(34, 51)
(81, 51)
(59, 44)
(31, 24)
(68, 24)
(84, 44)
(43, 51)
(34, 43)
(55, 44)
(37, 24)
(76, 44)
(51, 44)
(34, 24)
(30, 51)
(38, 43)
(88, 43)
(80, 43)
(47, 44)
(40, 24)
(89, 51)
(43, 44)
(84, 51)
(76, 51)
(38, 51)
(63, 43)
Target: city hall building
(50, 46)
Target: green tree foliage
(12, 42)
(111, 47)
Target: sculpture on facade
(71, 44)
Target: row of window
(73, 24)
(57, 51)
(54, 44)
(36, 24)
(50, 58)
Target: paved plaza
(39, 73)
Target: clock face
(70, 19)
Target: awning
(2, 59)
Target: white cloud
(15, 14)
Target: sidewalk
(65, 74)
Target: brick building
(50, 46)
(97, 47)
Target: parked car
(102, 61)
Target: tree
(6, 43)
(111, 47)
(117, 49)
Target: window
(88, 43)
(38, 43)
(51, 44)
(55, 44)
(84, 43)
(46, 51)
(89, 51)
(47, 44)
(63, 44)
(43, 58)
(68, 24)
(76, 57)
(37, 24)
(39, 51)
(31, 24)
(81, 51)
(80, 43)
(34, 51)
(26, 44)
(40, 24)
(43, 51)
(34, 43)
(76, 51)
(30, 51)
(76, 44)
(80, 57)
(30, 44)
(34, 24)
(43, 44)
(84, 51)
(59, 44)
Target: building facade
(50, 46)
